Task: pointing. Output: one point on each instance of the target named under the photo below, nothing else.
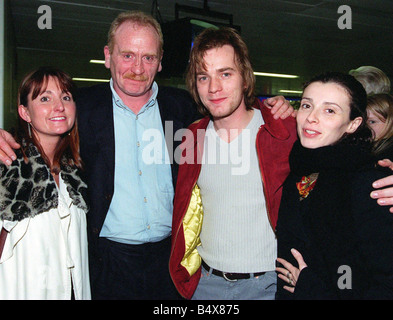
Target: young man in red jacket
(228, 191)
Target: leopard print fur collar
(28, 189)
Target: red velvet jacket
(274, 143)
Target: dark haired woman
(334, 241)
(43, 212)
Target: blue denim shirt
(142, 204)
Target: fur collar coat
(29, 189)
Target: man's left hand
(280, 107)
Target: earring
(29, 129)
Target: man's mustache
(133, 76)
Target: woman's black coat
(345, 237)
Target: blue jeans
(212, 287)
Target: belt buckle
(224, 274)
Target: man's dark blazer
(97, 143)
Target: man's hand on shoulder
(384, 196)
(7, 144)
(280, 107)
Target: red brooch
(306, 184)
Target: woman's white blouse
(44, 257)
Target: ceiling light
(291, 91)
(97, 61)
(203, 24)
(90, 79)
(276, 75)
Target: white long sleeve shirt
(44, 257)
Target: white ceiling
(299, 37)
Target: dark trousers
(132, 272)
